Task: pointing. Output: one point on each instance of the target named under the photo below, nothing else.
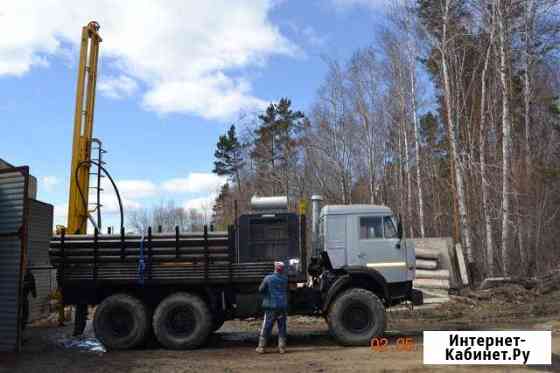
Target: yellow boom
(83, 130)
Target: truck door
(379, 247)
(335, 240)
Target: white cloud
(134, 188)
(214, 96)
(118, 87)
(196, 182)
(187, 53)
(49, 182)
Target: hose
(80, 191)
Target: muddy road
(311, 349)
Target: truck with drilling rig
(183, 286)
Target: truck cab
(361, 266)
(367, 237)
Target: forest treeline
(450, 117)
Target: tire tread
(202, 331)
(140, 312)
(339, 331)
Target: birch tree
(482, 152)
(506, 134)
(412, 50)
(443, 40)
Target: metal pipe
(269, 203)
(99, 176)
(315, 212)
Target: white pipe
(269, 203)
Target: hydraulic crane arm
(83, 130)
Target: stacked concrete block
(434, 272)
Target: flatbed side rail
(150, 253)
(183, 257)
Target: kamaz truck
(181, 287)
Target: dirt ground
(311, 349)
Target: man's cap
(279, 266)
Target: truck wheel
(356, 316)
(121, 322)
(182, 321)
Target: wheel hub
(120, 322)
(181, 321)
(357, 318)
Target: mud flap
(416, 297)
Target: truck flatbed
(181, 258)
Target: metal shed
(14, 183)
(40, 223)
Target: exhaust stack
(315, 212)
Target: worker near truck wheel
(274, 288)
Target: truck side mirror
(399, 229)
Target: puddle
(86, 342)
(82, 344)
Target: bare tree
(482, 154)
(444, 46)
(139, 219)
(404, 12)
(331, 140)
(365, 91)
(165, 215)
(506, 134)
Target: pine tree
(229, 156)
(275, 141)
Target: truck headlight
(294, 264)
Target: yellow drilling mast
(83, 130)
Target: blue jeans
(268, 323)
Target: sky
(173, 76)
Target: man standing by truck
(274, 288)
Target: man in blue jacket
(274, 288)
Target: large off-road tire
(182, 321)
(121, 322)
(356, 316)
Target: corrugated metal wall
(12, 213)
(40, 223)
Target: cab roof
(356, 209)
